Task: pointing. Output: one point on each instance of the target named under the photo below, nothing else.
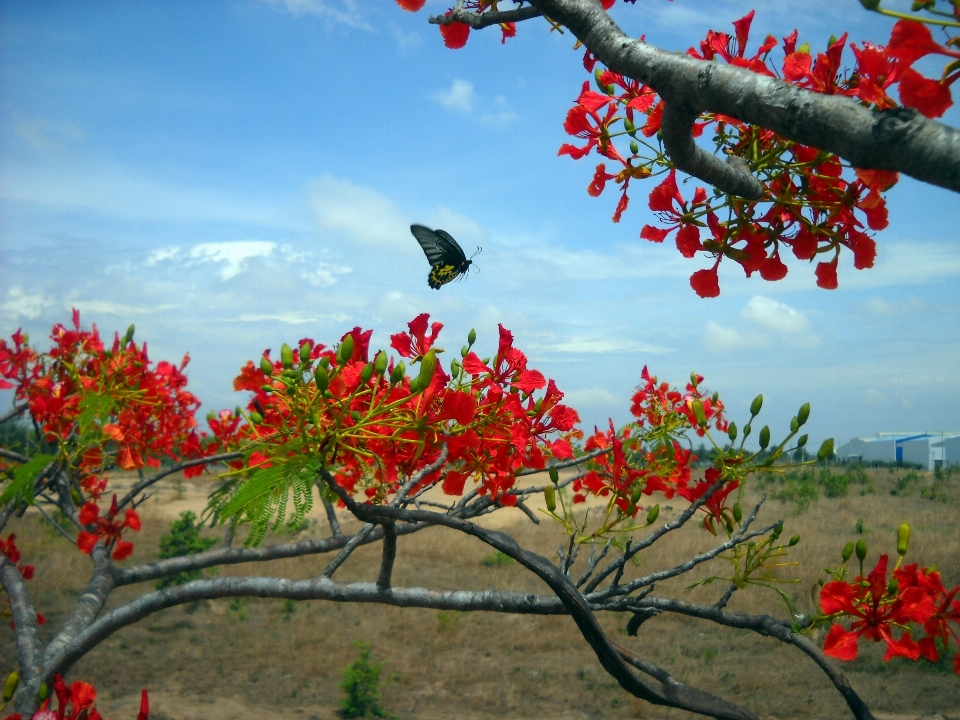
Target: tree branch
(901, 139)
(13, 412)
(480, 21)
(769, 627)
(27, 632)
(147, 482)
(234, 556)
(389, 555)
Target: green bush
(361, 686)
(496, 559)
(184, 539)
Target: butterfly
(446, 257)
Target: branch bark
(901, 140)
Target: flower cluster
(77, 703)
(107, 529)
(362, 416)
(880, 607)
(812, 206)
(103, 406)
(648, 456)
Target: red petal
(123, 550)
(840, 644)
(930, 97)
(653, 234)
(706, 283)
(409, 6)
(836, 597)
(827, 275)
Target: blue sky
(234, 175)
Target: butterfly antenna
(479, 250)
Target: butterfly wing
(446, 257)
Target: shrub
(361, 686)
(184, 539)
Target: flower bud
(554, 475)
(893, 586)
(549, 495)
(471, 336)
(793, 541)
(266, 366)
(826, 450)
(463, 351)
(764, 437)
(903, 539)
(256, 418)
(629, 126)
(305, 353)
(415, 385)
(454, 367)
(366, 373)
(699, 413)
(847, 551)
(861, 549)
(694, 380)
(76, 497)
(357, 417)
(870, 4)
(777, 530)
(345, 351)
(794, 425)
(398, 373)
(737, 512)
(267, 388)
(803, 413)
(10, 687)
(325, 362)
(732, 432)
(43, 692)
(802, 440)
(129, 336)
(286, 356)
(637, 492)
(652, 514)
(486, 361)
(746, 431)
(634, 148)
(756, 405)
(428, 364)
(322, 379)
(380, 364)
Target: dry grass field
(250, 659)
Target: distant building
(928, 450)
(951, 450)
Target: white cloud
(606, 347)
(345, 12)
(775, 316)
(110, 308)
(359, 213)
(324, 275)
(287, 318)
(22, 305)
(499, 113)
(234, 254)
(767, 321)
(908, 306)
(46, 135)
(875, 398)
(590, 397)
(460, 97)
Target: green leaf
(23, 479)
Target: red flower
(868, 599)
(417, 343)
(411, 5)
(455, 34)
(107, 529)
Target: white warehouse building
(929, 450)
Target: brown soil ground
(250, 659)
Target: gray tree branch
(901, 140)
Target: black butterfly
(446, 257)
